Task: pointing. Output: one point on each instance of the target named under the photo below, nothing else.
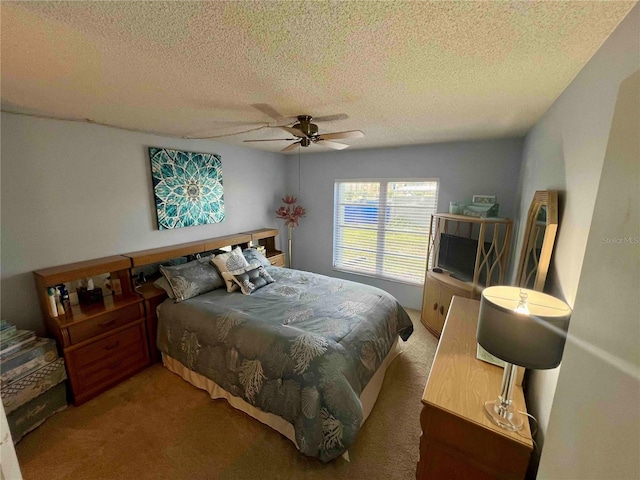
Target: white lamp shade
(532, 340)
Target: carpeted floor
(157, 426)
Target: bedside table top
(460, 383)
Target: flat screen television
(458, 256)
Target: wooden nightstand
(277, 260)
(266, 237)
(103, 343)
(153, 296)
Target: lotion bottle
(53, 308)
(59, 306)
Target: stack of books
(32, 379)
(11, 339)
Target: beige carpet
(156, 426)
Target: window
(381, 227)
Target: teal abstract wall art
(187, 187)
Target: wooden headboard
(264, 236)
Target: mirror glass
(538, 240)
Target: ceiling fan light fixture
(306, 133)
(305, 126)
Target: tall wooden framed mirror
(539, 238)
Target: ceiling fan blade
(226, 132)
(337, 135)
(268, 110)
(271, 140)
(334, 145)
(331, 118)
(295, 131)
(288, 148)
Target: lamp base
(504, 417)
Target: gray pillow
(192, 278)
(164, 284)
(249, 279)
(253, 254)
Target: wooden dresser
(458, 440)
(105, 342)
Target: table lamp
(522, 327)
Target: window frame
(379, 252)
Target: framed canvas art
(187, 188)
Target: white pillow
(230, 262)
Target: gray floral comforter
(302, 348)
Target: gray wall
(566, 151)
(74, 191)
(463, 168)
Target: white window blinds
(381, 227)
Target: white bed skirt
(367, 398)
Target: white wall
(74, 191)
(594, 429)
(566, 151)
(9, 466)
(464, 169)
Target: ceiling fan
(306, 133)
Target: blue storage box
(25, 389)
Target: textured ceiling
(404, 72)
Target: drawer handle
(114, 365)
(112, 346)
(435, 306)
(441, 309)
(107, 323)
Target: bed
(305, 354)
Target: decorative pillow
(192, 278)
(251, 254)
(249, 279)
(229, 262)
(163, 283)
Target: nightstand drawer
(105, 322)
(277, 260)
(107, 348)
(110, 358)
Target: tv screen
(458, 256)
